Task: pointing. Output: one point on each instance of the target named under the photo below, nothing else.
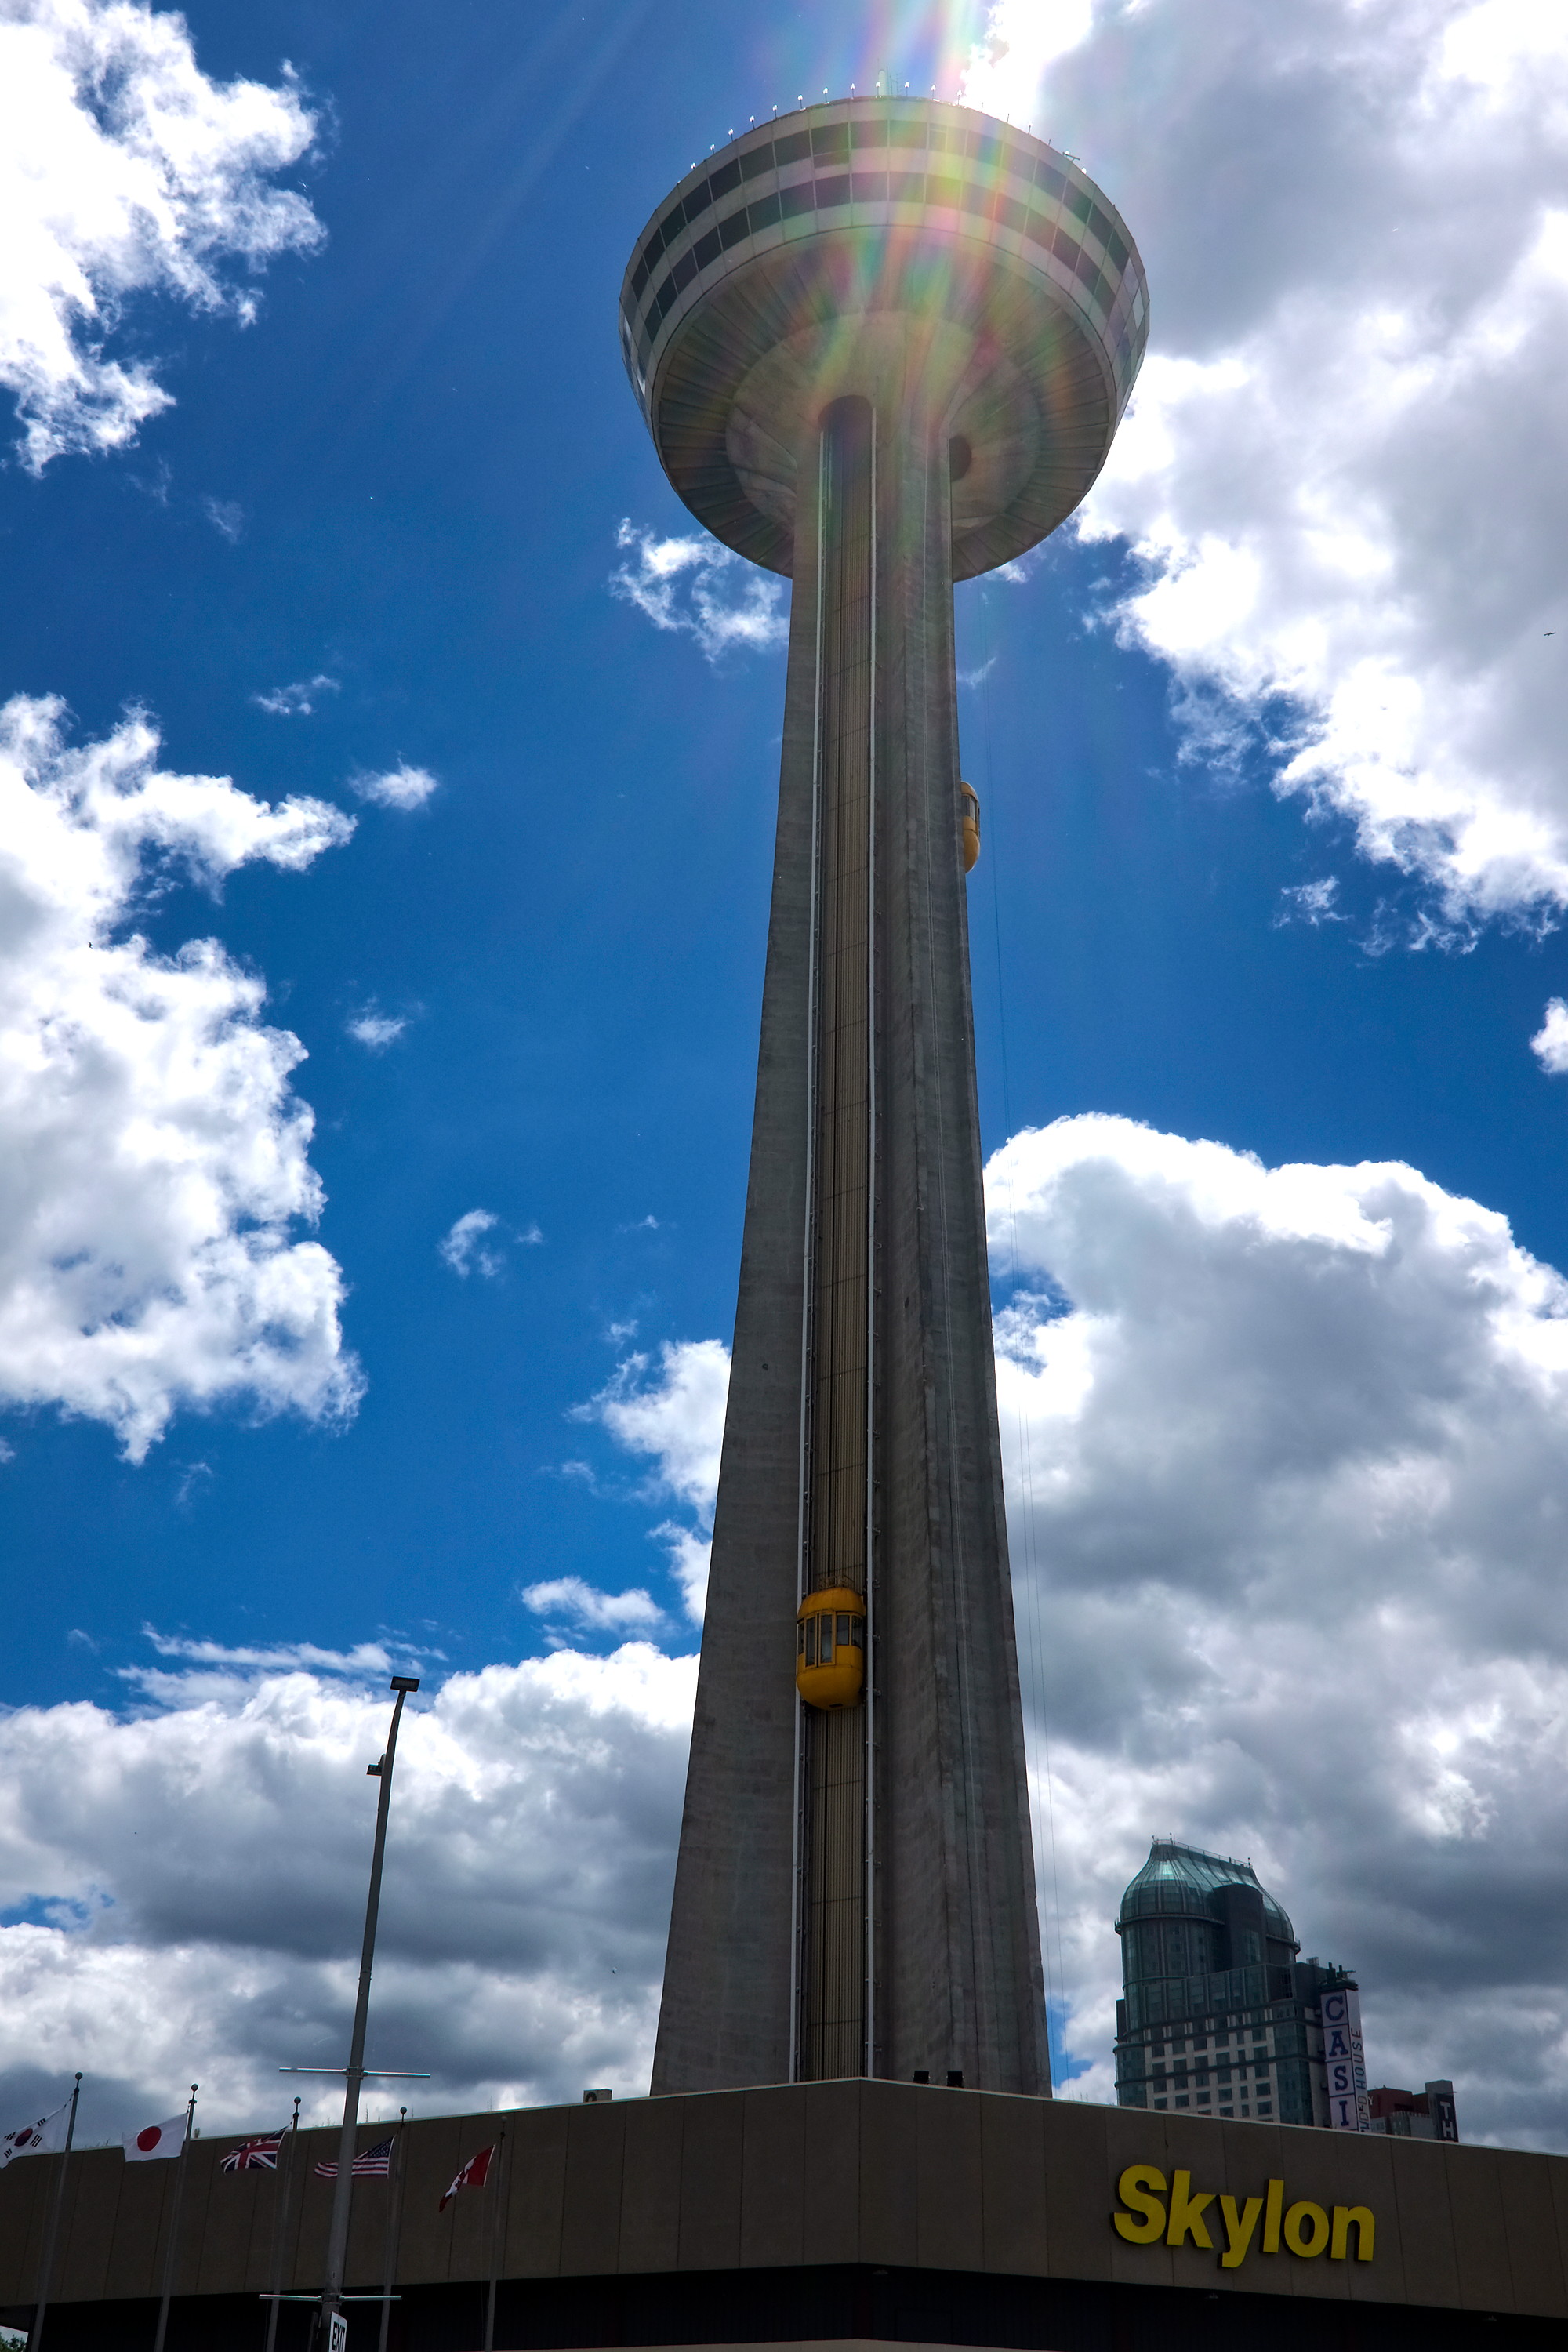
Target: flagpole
(393, 2216)
(498, 2231)
(47, 2263)
(174, 2223)
(280, 2230)
(337, 2242)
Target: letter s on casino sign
(1309, 2230)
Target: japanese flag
(155, 2140)
(45, 2138)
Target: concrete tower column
(864, 1336)
(880, 345)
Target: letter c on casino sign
(1146, 2222)
(1306, 2230)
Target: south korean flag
(47, 2136)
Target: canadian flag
(45, 2138)
(474, 2175)
(155, 2140)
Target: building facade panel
(141, 2193)
(654, 2163)
(831, 2189)
(1480, 2237)
(1013, 2171)
(711, 2169)
(1080, 2149)
(1366, 2175)
(1534, 2254)
(773, 2181)
(888, 2179)
(949, 2189)
(536, 2194)
(595, 2165)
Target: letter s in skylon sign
(1142, 2187)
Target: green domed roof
(1182, 1881)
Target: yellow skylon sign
(1306, 2228)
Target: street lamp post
(338, 2240)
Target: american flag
(370, 2163)
(255, 2156)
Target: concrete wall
(824, 2174)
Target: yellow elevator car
(830, 1647)
(969, 825)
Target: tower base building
(823, 2214)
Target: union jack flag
(255, 2156)
(370, 2163)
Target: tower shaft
(836, 1898)
(855, 1888)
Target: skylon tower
(881, 346)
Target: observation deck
(909, 235)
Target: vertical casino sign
(1344, 2061)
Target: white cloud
(677, 1418)
(124, 170)
(296, 701)
(684, 584)
(567, 1599)
(1287, 1480)
(374, 1030)
(689, 1555)
(1312, 903)
(1549, 1043)
(466, 1251)
(196, 1876)
(1020, 39)
(365, 1659)
(1345, 471)
(464, 1248)
(193, 1477)
(154, 1160)
(227, 516)
(402, 787)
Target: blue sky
(388, 507)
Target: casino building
(1219, 2017)
(1218, 2014)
